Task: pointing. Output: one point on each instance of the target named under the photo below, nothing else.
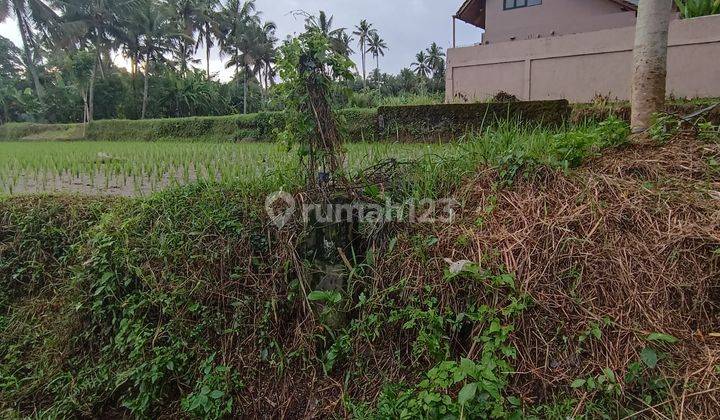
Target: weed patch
(569, 292)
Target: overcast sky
(406, 25)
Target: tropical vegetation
(698, 8)
(82, 60)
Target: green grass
(140, 168)
(128, 306)
(132, 168)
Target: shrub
(503, 96)
(223, 128)
(431, 122)
(358, 124)
(698, 8)
(20, 131)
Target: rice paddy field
(141, 168)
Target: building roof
(473, 11)
(630, 4)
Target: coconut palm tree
(266, 54)
(377, 47)
(207, 26)
(28, 13)
(422, 65)
(344, 44)
(156, 33)
(238, 27)
(96, 23)
(324, 24)
(436, 59)
(339, 40)
(363, 31)
(184, 16)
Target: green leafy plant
(664, 127)
(698, 8)
(325, 296)
(468, 388)
(573, 146)
(310, 67)
(662, 337)
(212, 397)
(613, 132)
(605, 382)
(708, 131)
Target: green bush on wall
(403, 123)
(356, 124)
(35, 131)
(221, 128)
(447, 121)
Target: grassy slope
(187, 302)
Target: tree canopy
(167, 47)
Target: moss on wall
(588, 113)
(433, 122)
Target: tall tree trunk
(362, 46)
(183, 60)
(29, 59)
(207, 49)
(147, 84)
(86, 111)
(245, 91)
(650, 62)
(267, 78)
(237, 75)
(377, 70)
(135, 65)
(93, 77)
(261, 81)
(101, 65)
(91, 94)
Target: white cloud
(9, 30)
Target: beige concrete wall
(579, 66)
(552, 17)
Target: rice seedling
(141, 168)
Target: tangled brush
(621, 259)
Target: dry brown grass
(628, 243)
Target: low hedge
(222, 128)
(33, 131)
(404, 123)
(433, 122)
(356, 124)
